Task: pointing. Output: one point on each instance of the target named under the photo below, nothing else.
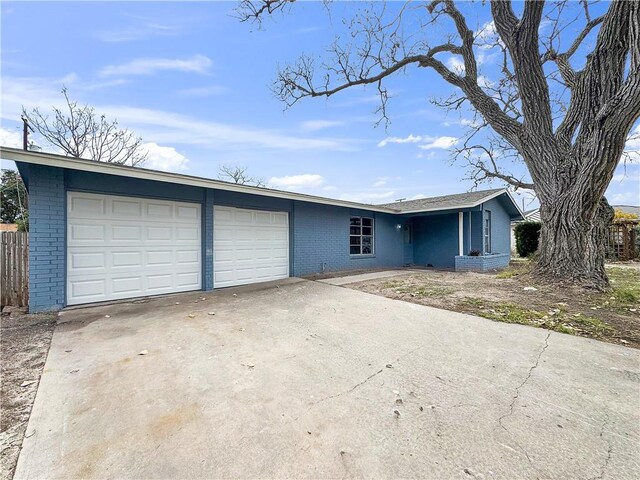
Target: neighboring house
(529, 216)
(629, 209)
(101, 232)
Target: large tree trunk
(572, 242)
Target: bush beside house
(527, 235)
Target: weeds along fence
(14, 269)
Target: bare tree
(80, 132)
(567, 124)
(239, 175)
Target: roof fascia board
(167, 177)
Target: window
(361, 236)
(487, 231)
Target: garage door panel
(249, 246)
(188, 213)
(158, 282)
(88, 288)
(84, 232)
(129, 285)
(122, 208)
(126, 259)
(188, 279)
(187, 257)
(159, 258)
(89, 206)
(158, 234)
(85, 261)
(159, 210)
(187, 233)
(125, 233)
(122, 247)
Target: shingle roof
(458, 200)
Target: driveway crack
(524, 382)
(607, 459)
(515, 398)
(359, 384)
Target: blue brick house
(103, 232)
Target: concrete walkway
(308, 380)
(363, 277)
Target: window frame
(360, 224)
(486, 233)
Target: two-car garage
(124, 247)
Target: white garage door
(123, 247)
(249, 246)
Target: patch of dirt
(24, 344)
(510, 296)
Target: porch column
(460, 233)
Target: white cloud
(329, 188)
(207, 91)
(418, 196)
(380, 183)
(314, 125)
(456, 65)
(161, 127)
(625, 198)
(294, 182)
(311, 29)
(146, 30)
(164, 158)
(10, 138)
(439, 142)
(487, 36)
(410, 139)
(632, 147)
(149, 66)
(368, 197)
(426, 142)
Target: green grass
(515, 268)
(508, 273)
(625, 283)
(557, 319)
(399, 286)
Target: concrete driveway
(317, 381)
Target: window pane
(367, 240)
(354, 240)
(366, 250)
(354, 250)
(355, 230)
(367, 230)
(355, 220)
(367, 222)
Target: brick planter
(482, 263)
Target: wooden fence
(622, 240)
(14, 269)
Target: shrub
(527, 234)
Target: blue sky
(194, 83)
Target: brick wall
(321, 235)
(47, 203)
(482, 263)
(207, 238)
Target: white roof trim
(73, 163)
(470, 205)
